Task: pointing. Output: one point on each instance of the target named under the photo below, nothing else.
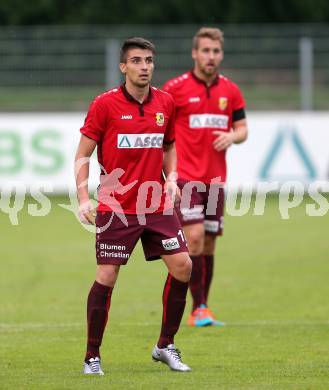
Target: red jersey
(130, 137)
(199, 111)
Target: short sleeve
(238, 100)
(95, 122)
(169, 136)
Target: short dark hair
(135, 43)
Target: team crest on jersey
(222, 103)
(159, 118)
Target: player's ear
(123, 67)
(193, 54)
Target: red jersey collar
(132, 99)
(196, 78)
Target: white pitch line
(38, 325)
(277, 323)
(6, 327)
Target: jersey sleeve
(238, 100)
(238, 104)
(95, 122)
(169, 136)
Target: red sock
(209, 270)
(98, 305)
(196, 282)
(173, 300)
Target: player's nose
(144, 65)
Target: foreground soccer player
(132, 127)
(210, 117)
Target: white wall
(282, 146)
(39, 149)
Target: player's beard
(209, 71)
(142, 84)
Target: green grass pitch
(271, 288)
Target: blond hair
(208, 32)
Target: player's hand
(223, 140)
(87, 213)
(172, 190)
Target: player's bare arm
(81, 166)
(225, 139)
(169, 169)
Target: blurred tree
(17, 12)
(280, 11)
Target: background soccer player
(210, 117)
(132, 127)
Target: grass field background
(271, 288)
(270, 97)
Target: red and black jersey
(201, 109)
(130, 137)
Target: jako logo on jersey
(126, 117)
(159, 118)
(136, 141)
(208, 120)
(222, 103)
(170, 243)
(194, 99)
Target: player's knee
(195, 244)
(188, 268)
(107, 274)
(183, 269)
